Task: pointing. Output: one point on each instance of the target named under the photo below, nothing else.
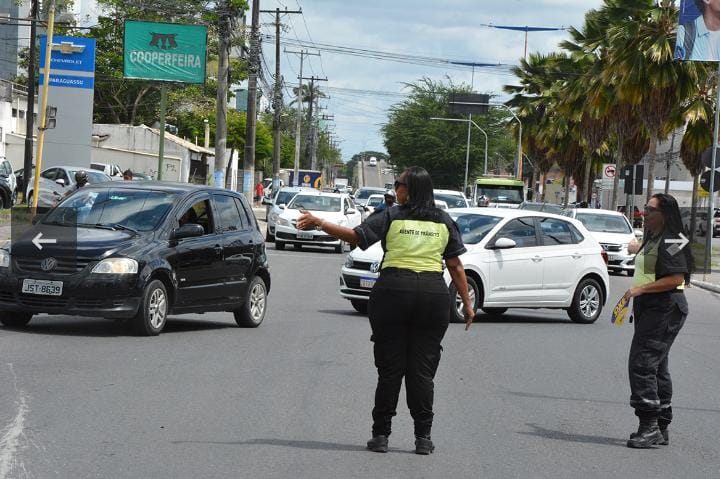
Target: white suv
(515, 259)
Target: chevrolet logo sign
(68, 48)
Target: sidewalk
(710, 282)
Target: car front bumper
(356, 283)
(116, 297)
(621, 261)
(318, 238)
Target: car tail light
(604, 255)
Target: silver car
(56, 181)
(273, 210)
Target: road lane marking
(12, 433)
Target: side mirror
(350, 211)
(190, 230)
(503, 243)
(60, 182)
(266, 200)
(282, 206)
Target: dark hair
(700, 5)
(420, 193)
(128, 173)
(674, 226)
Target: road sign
(469, 103)
(165, 51)
(609, 171)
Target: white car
(58, 180)
(273, 210)
(514, 259)
(372, 202)
(362, 194)
(453, 199)
(613, 231)
(335, 207)
(372, 162)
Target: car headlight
(116, 266)
(272, 217)
(283, 221)
(4, 258)
(348, 262)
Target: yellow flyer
(620, 312)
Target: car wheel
(494, 311)
(630, 272)
(152, 315)
(252, 312)
(297, 246)
(360, 305)
(4, 202)
(456, 310)
(587, 302)
(339, 248)
(15, 320)
(279, 245)
(268, 237)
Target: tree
(411, 138)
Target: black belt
(392, 269)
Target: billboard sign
(165, 51)
(697, 38)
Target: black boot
(665, 435)
(423, 445)
(378, 444)
(647, 435)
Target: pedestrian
(259, 191)
(128, 175)
(662, 269)
(410, 303)
(388, 201)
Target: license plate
(47, 288)
(304, 235)
(367, 283)
(612, 257)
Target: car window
(284, 197)
(50, 174)
(200, 214)
(555, 232)
(375, 201)
(600, 223)
(5, 168)
(246, 214)
(473, 228)
(316, 203)
(452, 201)
(520, 230)
(228, 215)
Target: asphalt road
(375, 176)
(527, 395)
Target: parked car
(20, 179)
(8, 185)
(362, 194)
(139, 251)
(56, 181)
(333, 207)
(546, 207)
(702, 223)
(613, 231)
(515, 259)
(453, 199)
(273, 210)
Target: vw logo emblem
(48, 264)
(375, 267)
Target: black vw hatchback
(138, 251)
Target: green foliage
(412, 138)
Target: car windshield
(364, 194)
(452, 201)
(500, 194)
(549, 208)
(138, 210)
(93, 176)
(600, 223)
(284, 197)
(375, 201)
(316, 203)
(474, 227)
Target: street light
(467, 154)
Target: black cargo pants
(409, 314)
(658, 320)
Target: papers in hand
(621, 312)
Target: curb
(706, 286)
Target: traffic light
(50, 114)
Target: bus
(499, 192)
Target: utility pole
(313, 127)
(277, 99)
(253, 67)
(28, 161)
(296, 179)
(221, 98)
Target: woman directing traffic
(409, 306)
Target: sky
(450, 29)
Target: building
(13, 37)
